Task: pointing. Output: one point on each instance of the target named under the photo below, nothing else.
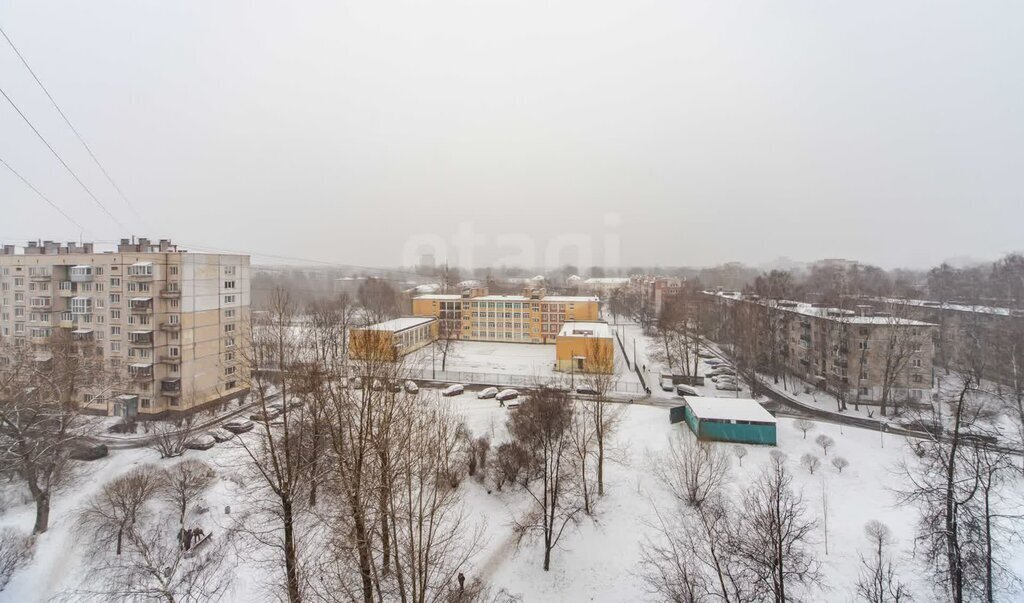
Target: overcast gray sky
(689, 133)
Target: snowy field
(597, 560)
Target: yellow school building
(533, 317)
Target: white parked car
(453, 390)
(727, 386)
(685, 390)
(507, 394)
(203, 441)
(411, 387)
(489, 392)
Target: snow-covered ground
(598, 560)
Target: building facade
(167, 322)
(533, 317)
(391, 339)
(585, 347)
(861, 357)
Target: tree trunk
(363, 545)
(290, 557)
(42, 511)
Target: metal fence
(503, 379)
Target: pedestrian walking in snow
(462, 579)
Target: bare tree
(511, 460)
(542, 425)
(810, 462)
(378, 299)
(879, 581)
(825, 442)
(152, 561)
(840, 463)
(693, 471)
(42, 394)
(15, 552)
(275, 456)
(740, 452)
(601, 377)
(170, 438)
(119, 505)
(182, 484)
(956, 492)
(772, 536)
(431, 541)
(804, 426)
(446, 343)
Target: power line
(62, 162)
(41, 195)
(68, 122)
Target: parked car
(411, 387)
(377, 385)
(239, 425)
(357, 383)
(221, 434)
(705, 354)
(666, 386)
(489, 392)
(727, 386)
(713, 362)
(507, 394)
(586, 391)
(87, 451)
(270, 415)
(203, 441)
(686, 390)
(453, 390)
(394, 386)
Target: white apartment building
(167, 321)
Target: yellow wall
(598, 351)
(551, 313)
(371, 344)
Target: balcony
(168, 359)
(169, 327)
(81, 274)
(40, 278)
(170, 294)
(140, 337)
(66, 323)
(141, 271)
(82, 334)
(140, 305)
(140, 372)
(40, 303)
(39, 339)
(170, 387)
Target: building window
(115, 281)
(172, 270)
(229, 284)
(229, 299)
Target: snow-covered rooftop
(585, 329)
(836, 314)
(401, 324)
(607, 280)
(979, 309)
(731, 409)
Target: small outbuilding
(740, 420)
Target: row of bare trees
(709, 546)
(355, 488)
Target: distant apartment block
(392, 339)
(994, 334)
(856, 355)
(533, 317)
(168, 320)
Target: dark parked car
(586, 391)
(85, 451)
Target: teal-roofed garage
(740, 420)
